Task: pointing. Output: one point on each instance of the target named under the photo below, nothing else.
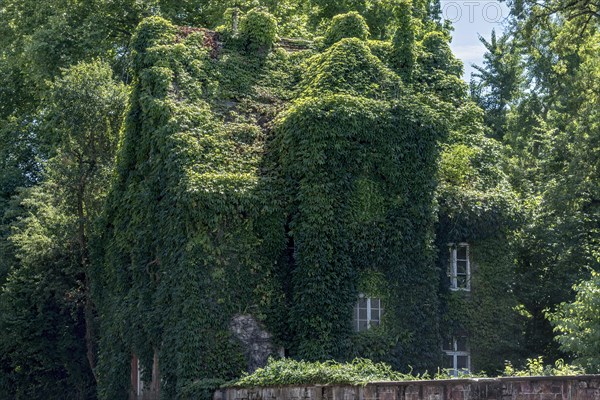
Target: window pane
(374, 322)
(374, 303)
(362, 303)
(374, 315)
(362, 325)
(461, 281)
(461, 267)
(461, 252)
(362, 313)
(462, 362)
(461, 343)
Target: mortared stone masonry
(583, 387)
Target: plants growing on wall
(195, 223)
(279, 168)
(191, 229)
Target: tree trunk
(234, 20)
(89, 312)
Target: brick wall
(583, 387)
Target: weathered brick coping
(581, 387)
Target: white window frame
(453, 268)
(455, 353)
(139, 383)
(358, 320)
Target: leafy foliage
(202, 389)
(190, 271)
(478, 205)
(536, 367)
(346, 26)
(404, 44)
(283, 185)
(43, 329)
(46, 306)
(363, 371)
(540, 101)
(258, 30)
(292, 372)
(178, 157)
(500, 79)
(349, 67)
(578, 325)
(342, 196)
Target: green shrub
(258, 30)
(577, 324)
(536, 367)
(350, 25)
(360, 371)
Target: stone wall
(254, 339)
(583, 387)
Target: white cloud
(469, 53)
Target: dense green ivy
(404, 52)
(358, 163)
(279, 186)
(191, 228)
(477, 205)
(258, 30)
(280, 177)
(346, 26)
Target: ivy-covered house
(324, 199)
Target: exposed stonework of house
(256, 342)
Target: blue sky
(470, 19)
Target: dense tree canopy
(544, 99)
(47, 292)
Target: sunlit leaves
(577, 324)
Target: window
(367, 313)
(457, 358)
(459, 268)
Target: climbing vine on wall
(190, 229)
(358, 151)
(272, 186)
